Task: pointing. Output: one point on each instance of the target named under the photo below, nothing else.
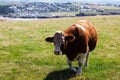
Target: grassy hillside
(24, 54)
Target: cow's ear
(49, 39)
(69, 38)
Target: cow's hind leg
(70, 65)
(86, 61)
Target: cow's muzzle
(57, 52)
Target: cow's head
(60, 39)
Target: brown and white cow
(75, 42)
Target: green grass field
(24, 54)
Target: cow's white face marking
(58, 40)
(80, 27)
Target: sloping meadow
(24, 54)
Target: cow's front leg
(80, 63)
(70, 65)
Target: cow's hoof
(73, 69)
(78, 73)
(85, 65)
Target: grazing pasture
(25, 55)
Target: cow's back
(84, 33)
(90, 31)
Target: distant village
(44, 10)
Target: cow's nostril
(57, 52)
